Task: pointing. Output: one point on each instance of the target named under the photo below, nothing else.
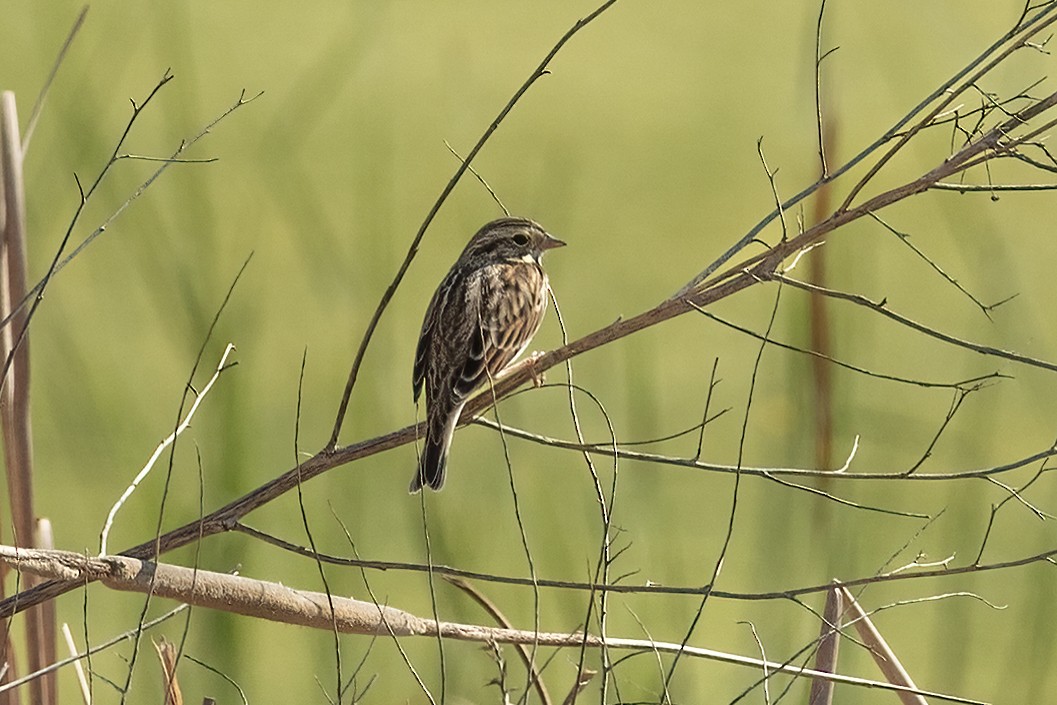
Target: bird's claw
(538, 376)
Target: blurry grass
(639, 151)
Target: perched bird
(482, 316)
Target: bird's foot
(538, 376)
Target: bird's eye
(521, 239)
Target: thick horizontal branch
(230, 593)
(279, 603)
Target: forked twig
(104, 535)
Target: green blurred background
(640, 151)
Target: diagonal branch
(953, 86)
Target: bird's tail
(434, 460)
(431, 466)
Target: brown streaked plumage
(482, 316)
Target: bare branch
(905, 239)
(770, 473)
(869, 373)
(819, 56)
(104, 535)
(923, 571)
(272, 601)
(991, 188)
(882, 308)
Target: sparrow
(482, 316)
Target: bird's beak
(550, 242)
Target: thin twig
(848, 366)
(819, 56)
(87, 653)
(464, 165)
(38, 107)
(381, 608)
(770, 473)
(605, 511)
(104, 535)
(522, 534)
(712, 382)
(959, 397)
(480, 179)
(1028, 28)
(991, 188)
(59, 262)
(905, 239)
(882, 308)
(495, 613)
(718, 566)
(846, 502)
(943, 569)
(308, 529)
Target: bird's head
(509, 240)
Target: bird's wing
(508, 315)
(425, 337)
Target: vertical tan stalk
(14, 394)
